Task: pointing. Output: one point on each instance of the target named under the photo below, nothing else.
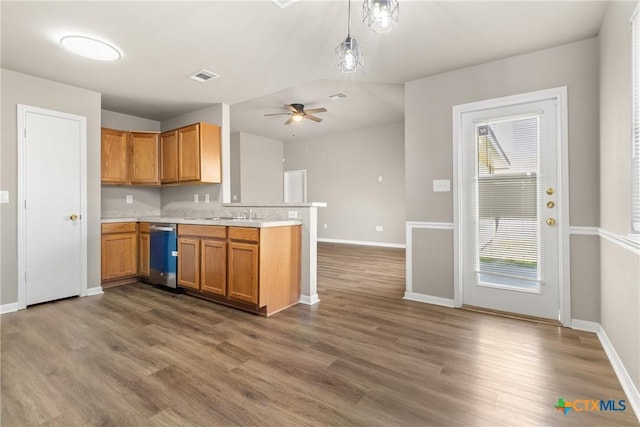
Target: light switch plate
(206, 198)
(195, 198)
(293, 214)
(4, 197)
(441, 185)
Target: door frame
(559, 95)
(22, 111)
(304, 183)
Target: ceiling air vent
(283, 3)
(203, 76)
(338, 96)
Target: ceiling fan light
(349, 56)
(296, 117)
(381, 16)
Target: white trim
(22, 110)
(362, 243)
(409, 227)
(621, 372)
(585, 325)
(225, 146)
(94, 291)
(620, 240)
(9, 308)
(584, 231)
(309, 299)
(429, 299)
(558, 94)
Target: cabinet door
(213, 269)
(143, 255)
(169, 156)
(189, 263)
(189, 153)
(119, 255)
(243, 272)
(144, 158)
(114, 156)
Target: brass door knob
(73, 217)
(551, 221)
(550, 204)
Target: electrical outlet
(4, 197)
(379, 228)
(129, 199)
(206, 198)
(293, 214)
(324, 226)
(441, 185)
(380, 178)
(195, 198)
(235, 197)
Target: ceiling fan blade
(276, 114)
(288, 122)
(291, 108)
(314, 118)
(316, 110)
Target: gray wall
(429, 152)
(146, 200)
(260, 168)
(236, 187)
(343, 169)
(620, 268)
(20, 88)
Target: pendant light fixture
(349, 53)
(381, 16)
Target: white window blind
(635, 157)
(508, 249)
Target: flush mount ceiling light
(381, 15)
(349, 53)
(90, 48)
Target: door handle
(74, 217)
(551, 221)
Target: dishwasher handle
(158, 228)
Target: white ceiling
(267, 56)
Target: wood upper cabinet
(114, 156)
(119, 250)
(199, 158)
(169, 157)
(144, 156)
(144, 267)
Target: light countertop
(255, 223)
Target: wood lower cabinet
(119, 251)
(255, 269)
(114, 156)
(144, 267)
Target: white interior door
(509, 214)
(52, 235)
(295, 186)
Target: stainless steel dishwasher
(163, 252)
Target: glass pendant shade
(349, 56)
(381, 16)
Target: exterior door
(509, 212)
(52, 233)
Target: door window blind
(635, 157)
(508, 249)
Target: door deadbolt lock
(550, 191)
(551, 221)
(73, 217)
(550, 204)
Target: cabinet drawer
(244, 233)
(119, 227)
(212, 231)
(143, 227)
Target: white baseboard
(362, 243)
(585, 325)
(429, 299)
(94, 291)
(309, 299)
(621, 372)
(8, 308)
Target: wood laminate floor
(137, 356)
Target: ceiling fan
(297, 113)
